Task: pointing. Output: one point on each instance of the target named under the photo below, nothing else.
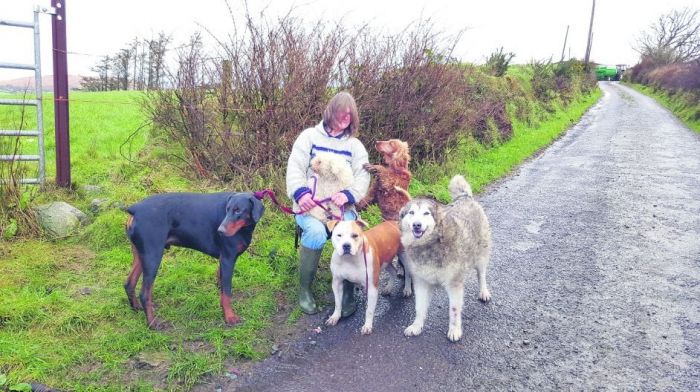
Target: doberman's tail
(129, 226)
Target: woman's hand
(339, 199)
(306, 202)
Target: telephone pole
(590, 38)
(564, 48)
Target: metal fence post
(60, 88)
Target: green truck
(609, 72)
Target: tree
(121, 70)
(156, 59)
(673, 38)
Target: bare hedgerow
(236, 115)
(240, 113)
(408, 87)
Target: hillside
(27, 83)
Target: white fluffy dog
(332, 175)
(442, 243)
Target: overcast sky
(532, 29)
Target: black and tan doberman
(218, 224)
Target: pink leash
(269, 192)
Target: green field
(64, 318)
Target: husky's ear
(331, 224)
(404, 211)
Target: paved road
(595, 277)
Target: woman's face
(342, 119)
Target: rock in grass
(60, 219)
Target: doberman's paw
(135, 303)
(232, 320)
(158, 325)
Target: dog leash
(364, 256)
(271, 194)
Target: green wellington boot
(349, 304)
(308, 263)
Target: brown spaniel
(390, 186)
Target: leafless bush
(237, 116)
(409, 88)
(676, 77)
(673, 38)
(639, 73)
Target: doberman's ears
(258, 208)
(331, 224)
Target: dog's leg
(338, 296)
(423, 292)
(455, 293)
(226, 264)
(484, 294)
(407, 282)
(150, 263)
(133, 278)
(372, 295)
(386, 284)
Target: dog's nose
(346, 248)
(416, 226)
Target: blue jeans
(314, 235)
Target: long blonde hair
(339, 103)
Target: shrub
(238, 117)
(498, 62)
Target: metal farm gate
(38, 133)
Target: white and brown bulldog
(358, 257)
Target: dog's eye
(411, 213)
(426, 213)
(338, 235)
(354, 235)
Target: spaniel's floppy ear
(331, 224)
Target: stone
(60, 219)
